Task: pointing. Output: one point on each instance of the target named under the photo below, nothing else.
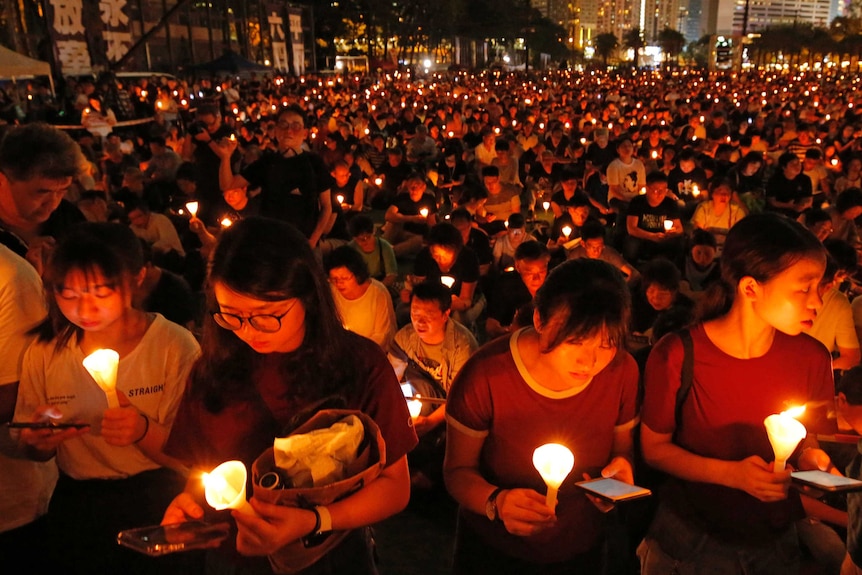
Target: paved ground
(418, 541)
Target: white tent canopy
(15, 65)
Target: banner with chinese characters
(116, 32)
(274, 17)
(66, 19)
(297, 45)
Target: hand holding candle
(668, 225)
(423, 212)
(192, 208)
(784, 433)
(224, 487)
(554, 462)
(102, 365)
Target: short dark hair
(360, 224)
(843, 253)
(661, 272)
(516, 220)
(531, 251)
(850, 384)
(347, 257)
(433, 291)
(490, 172)
(39, 150)
(701, 237)
(461, 214)
(446, 235)
(592, 229)
(656, 177)
(848, 199)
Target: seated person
(568, 189)
(819, 222)
(241, 204)
(789, 190)
(377, 252)
(446, 260)
(165, 292)
(701, 264)
(568, 226)
(653, 224)
(451, 173)
(505, 246)
(431, 350)
(474, 238)
(847, 208)
(593, 246)
(833, 326)
(718, 213)
(94, 205)
(348, 189)
(510, 306)
(364, 304)
(501, 201)
(410, 216)
(654, 293)
(157, 230)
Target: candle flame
(795, 412)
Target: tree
(606, 44)
(633, 40)
(671, 42)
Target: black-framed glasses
(266, 323)
(295, 126)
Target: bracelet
(325, 519)
(317, 519)
(146, 428)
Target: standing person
(113, 474)
(725, 509)
(273, 345)
(37, 166)
(565, 380)
(295, 184)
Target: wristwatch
(491, 510)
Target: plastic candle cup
(226, 222)
(567, 231)
(192, 208)
(340, 198)
(695, 191)
(546, 205)
(447, 281)
(378, 181)
(785, 433)
(224, 487)
(554, 462)
(423, 212)
(102, 366)
(414, 406)
(668, 225)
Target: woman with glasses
(273, 346)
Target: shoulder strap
(687, 374)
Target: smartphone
(613, 490)
(157, 540)
(46, 425)
(826, 481)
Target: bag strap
(687, 373)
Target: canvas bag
(370, 460)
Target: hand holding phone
(157, 540)
(613, 490)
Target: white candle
(567, 231)
(447, 281)
(546, 205)
(224, 487)
(192, 207)
(102, 365)
(554, 462)
(423, 212)
(226, 222)
(668, 225)
(340, 198)
(784, 433)
(695, 191)
(414, 406)
(378, 181)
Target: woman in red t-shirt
(724, 509)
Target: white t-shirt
(371, 315)
(630, 177)
(833, 326)
(25, 486)
(153, 377)
(161, 234)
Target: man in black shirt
(510, 304)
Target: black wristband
(146, 428)
(316, 528)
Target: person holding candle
(724, 508)
(273, 347)
(113, 474)
(566, 379)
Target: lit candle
(654, 154)
(233, 137)
(668, 225)
(224, 487)
(447, 281)
(546, 205)
(102, 365)
(340, 198)
(414, 406)
(378, 181)
(554, 462)
(226, 222)
(192, 207)
(695, 191)
(423, 212)
(567, 231)
(785, 433)
(642, 191)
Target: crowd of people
(641, 266)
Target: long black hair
(270, 260)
